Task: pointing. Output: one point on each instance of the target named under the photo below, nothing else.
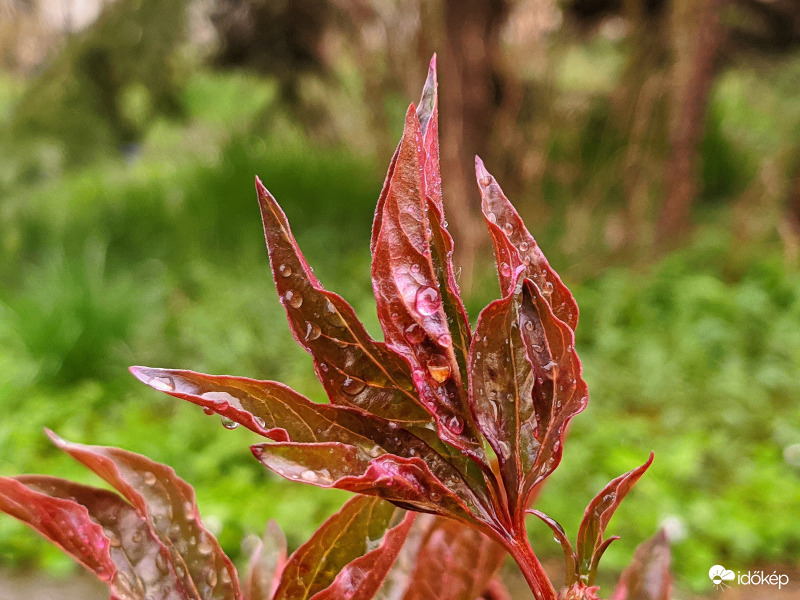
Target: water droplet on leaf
(162, 383)
(294, 299)
(205, 548)
(508, 228)
(312, 331)
(149, 478)
(438, 368)
(492, 217)
(352, 386)
(505, 270)
(414, 333)
(415, 268)
(428, 301)
(228, 423)
(309, 475)
(285, 270)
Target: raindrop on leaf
(352, 386)
(414, 333)
(285, 270)
(438, 368)
(228, 423)
(428, 301)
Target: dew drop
(505, 270)
(428, 301)
(312, 331)
(547, 290)
(161, 563)
(226, 577)
(529, 327)
(455, 424)
(285, 270)
(523, 246)
(330, 307)
(492, 217)
(445, 340)
(485, 181)
(205, 548)
(352, 387)
(309, 475)
(294, 299)
(549, 366)
(414, 333)
(324, 367)
(228, 423)
(393, 425)
(339, 343)
(208, 410)
(495, 410)
(211, 576)
(508, 228)
(415, 268)
(260, 422)
(162, 383)
(149, 478)
(435, 496)
(438, 368)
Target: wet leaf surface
(514, 246)
(168, 504)
(348, 556)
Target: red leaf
(65, 523)
(441, 243)
(648, 576)
(514, 246)
(409, 299)
(408, 482)
(591, 544)
(279, 413)
(443, 560)
(143, 566)
(168, 504)
(348, 556)
(525, 386)
(354, 369)
(266, 565)
(571, 574)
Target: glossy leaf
(168, 504)
(525, 385)
(591, 544)
(354, 369)
(281, 414)
(570, 558)
(453, 562)
(407, 482)
(514, 246)
(409, 299)
(348, 556)
(266, 565)
(441, 242)
(65, 523)
(648, 576)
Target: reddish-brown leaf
(571, 574)
(525, 386)
(348, 556)
(266, 565)
(143, 566)
(444, 561)
(407, 482)
(441, 243)
(65, 523)
(648, 576)
(409, 300)
(514, 246)
(168, 504)
(354, 369)
(281, 414)
(591, 544)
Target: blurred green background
(653, 147)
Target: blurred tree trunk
(468, 75)
(697, 35)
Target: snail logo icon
(719, 575)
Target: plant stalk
(532, 570)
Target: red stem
(520, 549)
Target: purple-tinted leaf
(65, 523)
(409, 299)
(452, 562)
(591, 544)
(408, 482)
(648, 576)
(168, 504)
(514, 246)
(266, 565)
(570, 559)
(441, 243)
(281, 414)
(348, 556)
(143, 566)
(354, 369)
(525, 386)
